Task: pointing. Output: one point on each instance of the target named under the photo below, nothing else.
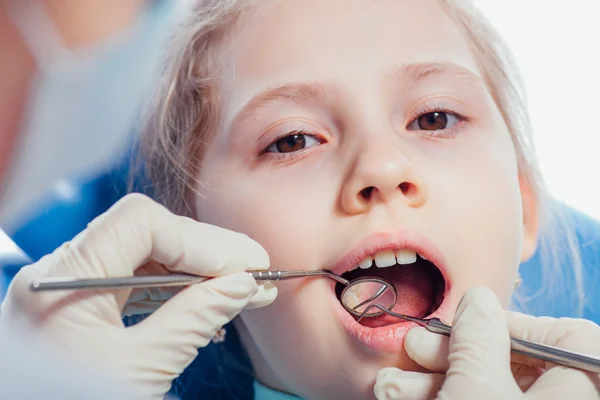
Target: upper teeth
(389, 258)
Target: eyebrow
(305, 92)
(296, 92)
(415, 73)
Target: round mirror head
(362, 293)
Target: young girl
(385, 138)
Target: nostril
(407, 188)
(367, 192)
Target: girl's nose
(381, 174)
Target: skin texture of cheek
(486, 216)
(302, 332)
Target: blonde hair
(185, 115)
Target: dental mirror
(361, 295)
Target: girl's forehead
(338, 41)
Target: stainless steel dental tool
(365, 297)
(523, 347)
(358, 294)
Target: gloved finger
(265, 295)
(479, 348)
(395, 384)
(136, 229)
(27, 307)
(191, 319)
(564, 383)
(18, 300)
(427, 349)
(146, 301)
(577, 335)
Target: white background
(557, 44)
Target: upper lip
(390, 241)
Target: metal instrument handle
(108, 283)
(435, 325)
(556, 355)
(72, 283)
(534, 350)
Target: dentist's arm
(138, 236)
(475, 363)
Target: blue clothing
(261, 392)
(560, 300)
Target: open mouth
(419, 283)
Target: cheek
(291, 218)
(286, 335)
(481, 224)
(282, 215)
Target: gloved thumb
(428, 349)
(395, 384)
(479, 349)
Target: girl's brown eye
(290, 144)
(434, 121)
(293, 143)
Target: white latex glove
(475, 363)
(138, 235)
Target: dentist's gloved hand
(475, 363)
(138, 236)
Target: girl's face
(356, 130)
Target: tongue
(416, 293)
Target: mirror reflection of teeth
(351, 297)
(386, 259)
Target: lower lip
(389, 338)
